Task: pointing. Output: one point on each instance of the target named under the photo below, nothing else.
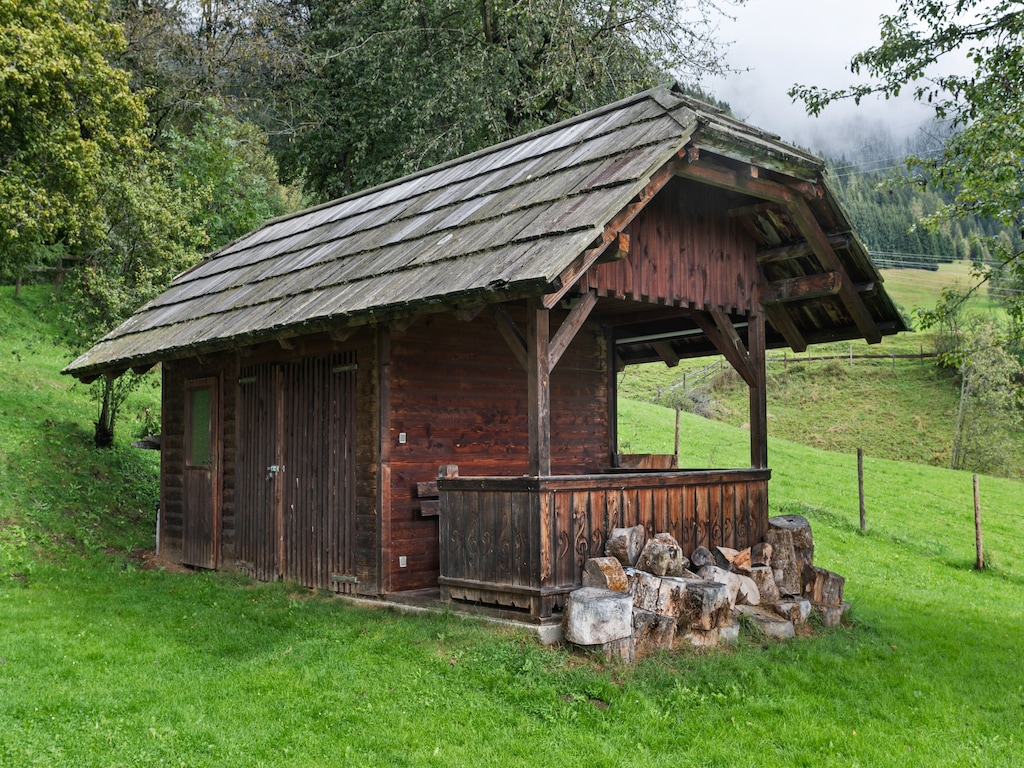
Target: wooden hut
(318, 371)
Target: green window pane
(199, 414)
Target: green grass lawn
(106, 663)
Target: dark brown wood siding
(459, 396)
(684, 250)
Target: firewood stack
(644, 595)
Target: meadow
(106, 660)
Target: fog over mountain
(809, 42)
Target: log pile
(645, 595)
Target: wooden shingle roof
(499, 224)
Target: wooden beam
(798, 250)
(809, 228)
(764, 189)
(622, 247)
(726, 342)
(341, 335)
(666, 353)
(779, 317)
(567, 279)
(402, 324)
(510, 333)
(758, 392)
(801, 288)
(466, 314)
(794, 197)
(538, 389)
(570, 327)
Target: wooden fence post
(677, 436)
(860, 489)
(980, 562)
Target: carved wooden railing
(522, 541)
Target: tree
(398, 86)
(966, 59)
(227, 175)
(147, 239)
(990, 403)
(66, 116)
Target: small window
(199, 427)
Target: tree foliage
(966, 59)
(66, 117)
(398, 86)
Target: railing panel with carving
(523, 541)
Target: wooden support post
(860, 489)
(538, 389)
(980, 562)
(758, 391)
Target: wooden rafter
(810, 229)
(667, 354)
(780, 319)
(509, 332)
(801, 288)
(794, 197)
(570, 327)
(720, 332)
(798, 250)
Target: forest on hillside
(887, 213)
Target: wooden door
(257, 469)
(296, 471)
(202, 473)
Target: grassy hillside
(894, 408)
(105, 661)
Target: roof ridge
(561, 125)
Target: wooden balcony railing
(522, 541)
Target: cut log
(652, 632)
(724, 557)
(764, 578)
(822, 587)
(784, 562)
(645, 588)
(706, 605)
(626, 544)
(662, 556)
(606, 573)
(597, 616)
(832, 615)
(700, 557)
(798, 611)
(800, 531)
(741, 563)
(767, 623)
(728, 578)
(761, 554)
(748, 593)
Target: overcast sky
(810, 42)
